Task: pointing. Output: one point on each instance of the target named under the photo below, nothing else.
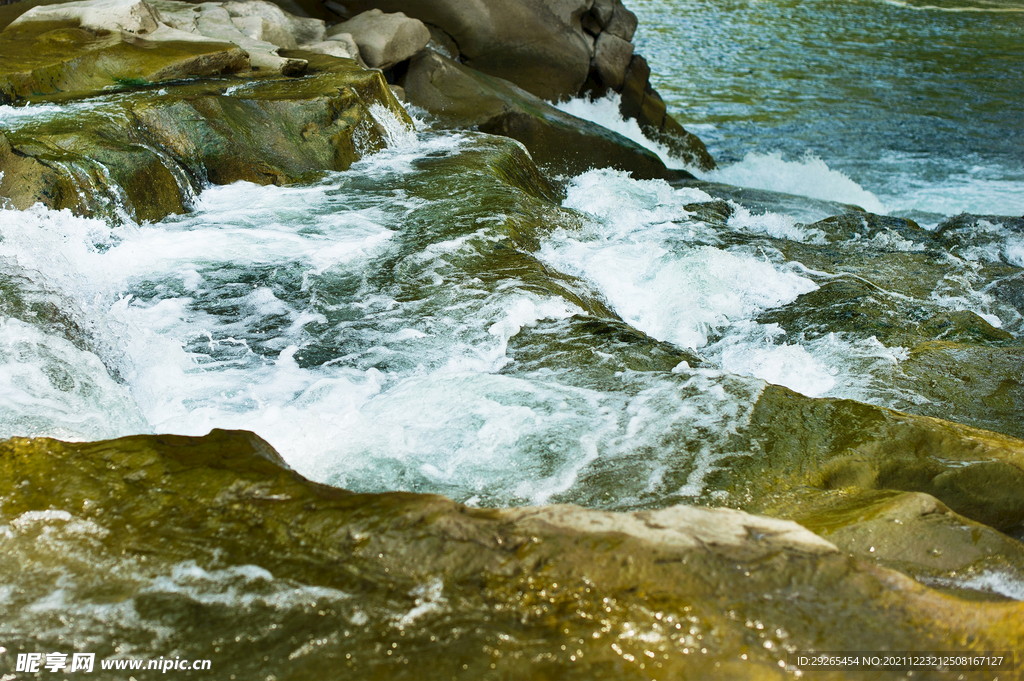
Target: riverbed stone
(384, 39)
(463, 97)
(611, 587)
(912, 532)
(57, 57)
(814, 446)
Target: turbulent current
(425, 321)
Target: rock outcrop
(673, 593)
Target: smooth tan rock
(688, 593)
(341, 45)
(281, 28)
(384, 39)
(134, 16)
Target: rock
(622, 24)
(912, 532)
(341, 45)
(813, 446)
(462, 97)
(258, 27)
(51, 57)
(205, 535)
(147, 156)
(639, 101)
(611, 58)
(384, 39)
(602, 11)
(213, 20)
(986, 384)
(132, 16)
(269, 23)
(537, 44)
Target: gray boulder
(622, 23)
(384, 39)
(537, 44)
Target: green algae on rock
(48, 58)
(149, 153)
(149, 533)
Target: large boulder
(145, 157)
(214, 539)
(384, 39)
(463, 97)
(537, 44)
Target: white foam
(809, 176)
(605, 112)
(674, 292)
(49, 387)
(773, 224)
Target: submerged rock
(463, 97)
(215, 535)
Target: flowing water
(425, 322)
(436, 320)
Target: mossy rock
(48, 58)
(159, 522)
(912, 532)
(148, 155)
(811, 447)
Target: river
(419, 323)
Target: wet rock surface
(464, 98)
(149, 154)
(485, 591)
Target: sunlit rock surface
(175, 546)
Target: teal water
(918, 104)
